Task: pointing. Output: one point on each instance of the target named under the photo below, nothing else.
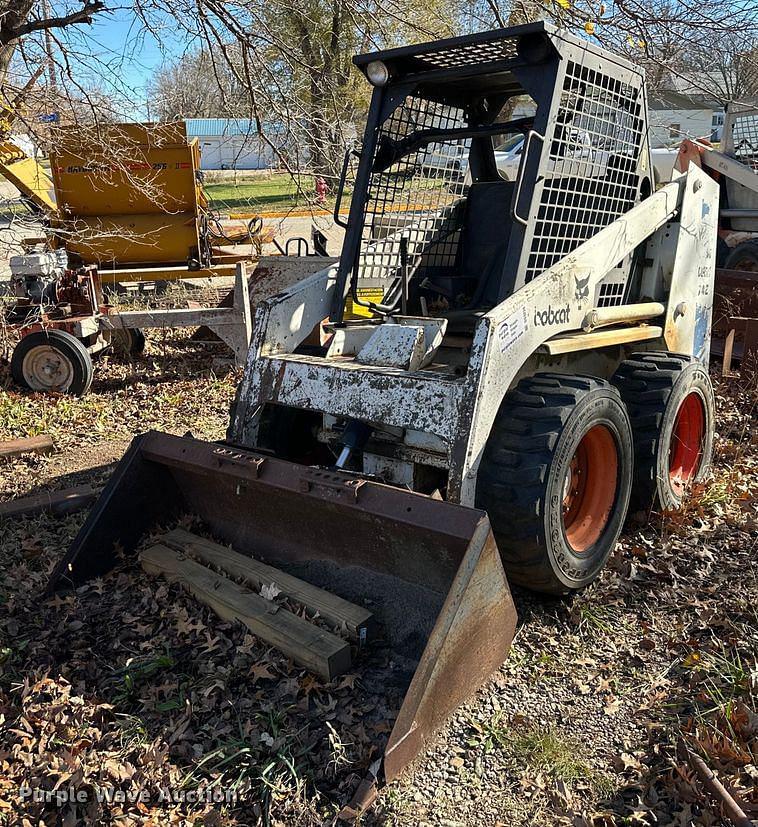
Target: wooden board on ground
(359, 623)
(318, 650)
(748, 330)
(59, 502)
(42, 444)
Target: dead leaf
(612, 707)
(270, 592)
(261, 671)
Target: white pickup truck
(508, 156)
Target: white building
(717, 125)
(674, 116)
(230, 143)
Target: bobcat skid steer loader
(538, 354)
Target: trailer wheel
(669, 397)
(555, 479)
(52, 360)
(743, 257)
(128, 341)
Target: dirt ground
(128, 684)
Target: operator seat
(483, 247)
(484, 239)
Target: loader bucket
(355, 538)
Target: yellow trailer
(29, 177)
(129, 194)
(128, 199)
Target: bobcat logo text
(549, 317)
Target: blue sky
(124, 54)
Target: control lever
(404, 275)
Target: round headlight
(377, 73)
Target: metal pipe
(343, 457)
(348, 263)
(718, 791)
(735, 213)
(599, 316)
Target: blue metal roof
(227, 127)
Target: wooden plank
(59, 502)
(42, 444)
(316, 649)
(600, 338)
(726, 362)
(358, 622)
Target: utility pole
(51, 70)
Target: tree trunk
(6, 54)
(318, 136)
(13, 13)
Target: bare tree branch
(83, 15)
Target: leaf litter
(128, 683)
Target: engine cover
(35, 275)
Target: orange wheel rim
(589, 488)
(686, 447)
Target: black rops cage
(439, 218)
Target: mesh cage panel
(591, 172)
(470, 54)
(744, 138)
(418, 194)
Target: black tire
(743, 257)
(669, 397)
(540, 437)
(722, 252)
(52, 360)
(129, 342)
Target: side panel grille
(611, 294)
(591, 166)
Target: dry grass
(128, 682)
